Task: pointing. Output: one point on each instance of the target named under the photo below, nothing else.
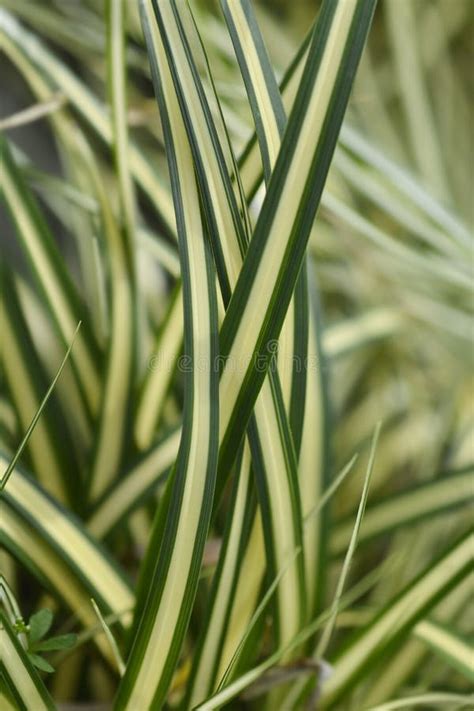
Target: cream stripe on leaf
(272, 263)
(52, 279)
(23, 682)
(226, 227)
(160, 372)
(249, 163)
(183, 521)
(273, 456)
(260, 83)
(396, 619)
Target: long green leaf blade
(174, 578)
(283, 227)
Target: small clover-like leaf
(40, 663)
(39, 624)
(63, 641)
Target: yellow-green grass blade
(275, 469)
(49, 347)
(120, 356)
(62, 79)
(247, 626)
(24, 687)
(110, 638)
(48, 445)
(226, 226)
(66, 535)
(56, 548)
(289, 208)
(415, 102)
(61, 196)
(52, 279)
(133, 487)
(22, 541)
(61, 27)
(32, 113)
(436, 497)
(164, 252)
(252, 627)
(274, 461)
(76, 159)
(448, 644)
(435, 699)
(161, 368)
(119, 243)
(117, 87)
(269, 436)
(409, 658)
(313, 462)
(250, 162)
(391, 625)
(342, 337)
(6, 697)
(9, 426)
(32, 425)
(323, 642)
(183, 524)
